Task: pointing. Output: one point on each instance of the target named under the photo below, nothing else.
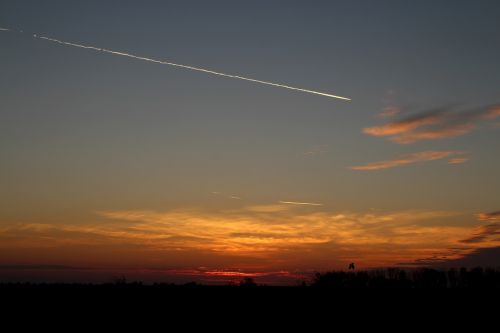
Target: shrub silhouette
(248, 283)
(425, 278)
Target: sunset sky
(116, 165)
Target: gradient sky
(110, 163)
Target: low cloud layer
(253, 238)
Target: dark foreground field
(338, 281)
(377, 294)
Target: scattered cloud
(418, 157)
(494, 216)
(391, 108)
(458, 160)
(434, 124)
(232, 196)
(316, 150)
(389, 111)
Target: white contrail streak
(3, 29)
(187, 67)
(300, 203)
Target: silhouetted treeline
(390, 278)
(417, 279)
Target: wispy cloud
(418, 157)
(231, 196)
(234, 275)
(274, 208)
(391, 108)
(316, 150)
(389, 111)
(300, 203)
(4, 29)
(480, 248)
(486, 233)
(494, 216)
(458, 160)
(483, 239)
(434, 124)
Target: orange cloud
(434, 134)
(492, 113)
(458, 160)
(486, 235)
(434, 124)
(481, 239)
(423, 156)
(403, 126)
(240, 238)
(494, 216)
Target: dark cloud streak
(437, 123)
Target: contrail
(300, 203)
(199, 69)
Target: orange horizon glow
(257, 241)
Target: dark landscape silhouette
(318, 152)
(390, 278)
